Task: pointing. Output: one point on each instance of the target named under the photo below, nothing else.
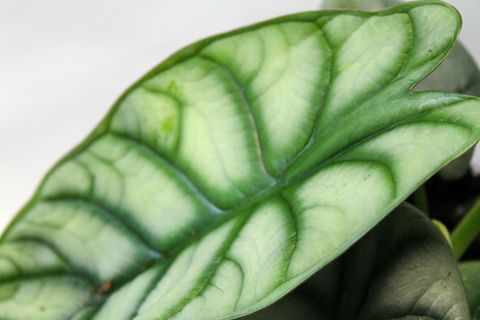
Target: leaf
(239, 167)
(458, 73)
(444, 230)
(402, 269)
(470, 271)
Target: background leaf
(470, 271)
(238, 168)
(402, 269)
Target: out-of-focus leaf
(402, 269)
(443, 229)
(470, 271)
(459, 73)
(458, 167)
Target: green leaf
(444, 230)
(402, 269)
(458, 73)
(471, 278)
(239, 167)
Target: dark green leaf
(471, 278)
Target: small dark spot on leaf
(105, 287)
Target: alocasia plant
(238, 168)
(402, 269)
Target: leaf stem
(420, 199)
(466, 231)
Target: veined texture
(239, 167)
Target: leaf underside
(401, 269)
(239, 167)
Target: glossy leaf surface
(471, 278)
(402, 269)
(238, 168)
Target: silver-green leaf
(402, 269)
(239, 167)
(458, 73)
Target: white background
(63, 63)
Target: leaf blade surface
(189, 199)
